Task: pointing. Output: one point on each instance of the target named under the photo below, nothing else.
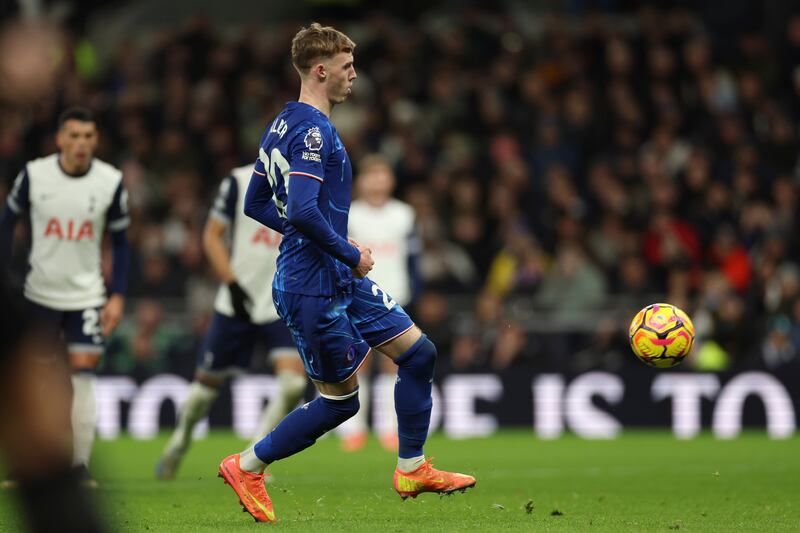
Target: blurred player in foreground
(243, 313)
(35, 436)
(301, 186)
(386, 226)
(71, 198)
(34, 423)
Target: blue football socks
(412, 396)
(302, 427)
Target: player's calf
(300, 429)
(412, 400)
(196, 406)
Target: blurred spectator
(489, 340)
(573, 287)
(519, 266)
(731, 258)
(779, 346)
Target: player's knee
(420, 358)
(342, 408)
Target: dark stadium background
(569, 162)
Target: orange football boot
(249, 487)
(428, 479)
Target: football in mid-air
(661, 335)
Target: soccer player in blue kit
(301, 187)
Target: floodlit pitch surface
(643, 481)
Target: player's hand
(112, 313)
(365, 263)
(239, 298)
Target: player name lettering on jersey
(279, 127)
(69, 230)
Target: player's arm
(17, 203)
(307, 175)
(258, 203)
(304, 214)
(117, 221)
(222, 214)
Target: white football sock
(196, 406)
(84, 417)
(292, 388)
(385, 416)
(248, 460)
(409, 465)
(358, 423)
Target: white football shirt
(68, 217)
(254, 249)
(387, 231)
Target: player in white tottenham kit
(243, 313)
(72, 198)
(386, 225)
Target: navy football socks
(302, 427)
(412, 396)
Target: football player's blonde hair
(318, 42)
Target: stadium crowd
(583, 169)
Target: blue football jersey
(308, 171)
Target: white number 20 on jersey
(276, 159)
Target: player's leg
(415, 357)
(332, 352)
(228, 346)
(85, 343)
(203, 390)
(387, 327)
(289, 372)
(84, 410)
(301, 428)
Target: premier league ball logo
(313, 139)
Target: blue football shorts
(334, 333)
(79, 329)
(230, 341)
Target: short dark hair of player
(81, 114)
(318, 42)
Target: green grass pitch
(643, 481)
